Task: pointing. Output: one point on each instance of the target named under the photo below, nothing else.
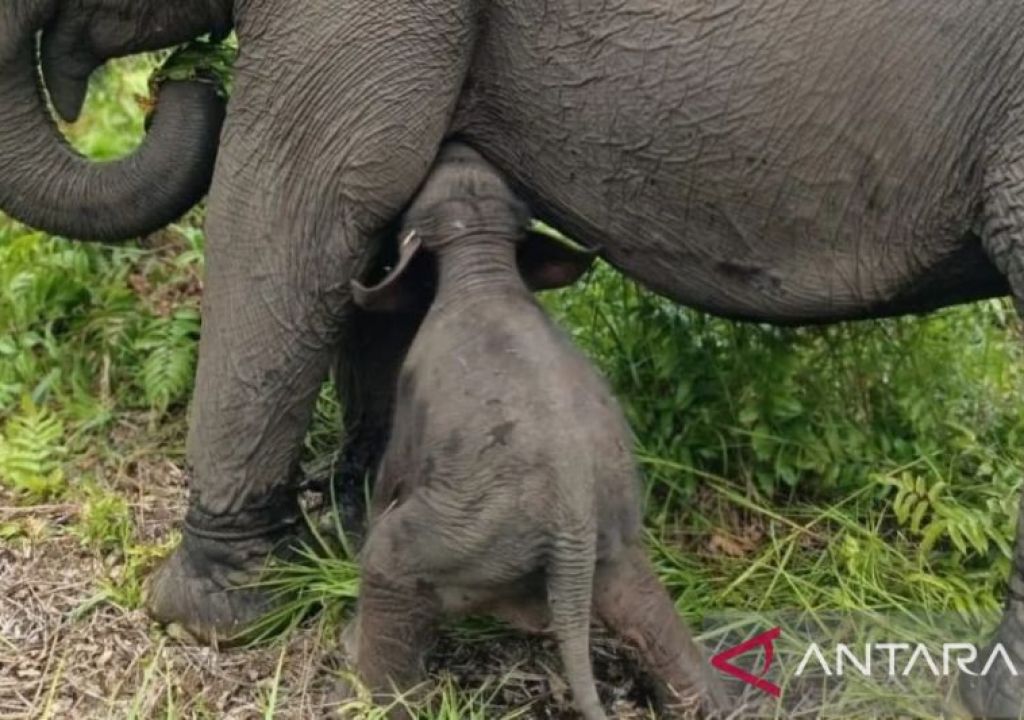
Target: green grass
(92, 338)
(870, 466)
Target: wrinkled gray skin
(785, 161)
(508, 485)
(47, 184)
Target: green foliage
(77, 337)
(112, 120)
(812, 411)
(325, 576)
(169, 346)
(106, 524)
(202, 60)
(868, 466)
(86, 330)
(32, 452)
(105, 521)
(976, 520)
(324, 434)
(124, 584)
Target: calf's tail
(570, 591)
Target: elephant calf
(508, 486)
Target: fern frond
(170, 347)
(32, 452)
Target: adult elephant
(786, 161)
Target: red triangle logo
(721, 661)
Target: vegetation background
(872, 466)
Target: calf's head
(465, 200)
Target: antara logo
(891, 659)
(766, 640)
(961, 655)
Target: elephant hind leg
(1003, 231)
(632, 602)
(1001, 694)
(365, 376)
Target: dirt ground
(66, 651)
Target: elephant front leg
(265, 349)
(334, 120)
(366, 377)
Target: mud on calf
(508, 486)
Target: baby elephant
(508, 486)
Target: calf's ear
(547, 264)
(397, 291)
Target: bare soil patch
(67, 651)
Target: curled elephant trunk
(44, 183)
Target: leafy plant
(973, 522)
(800, 411)
(202, 59)
(123, 584)
(32, 452)
(169, 348)
(870, 466)
(105, 521)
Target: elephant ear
(548, 264)
(398, 290)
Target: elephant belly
(783, 161)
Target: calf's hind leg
(399, 608)
(632, 602)
(416, 567)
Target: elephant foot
(208, 588)
(997, 694)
